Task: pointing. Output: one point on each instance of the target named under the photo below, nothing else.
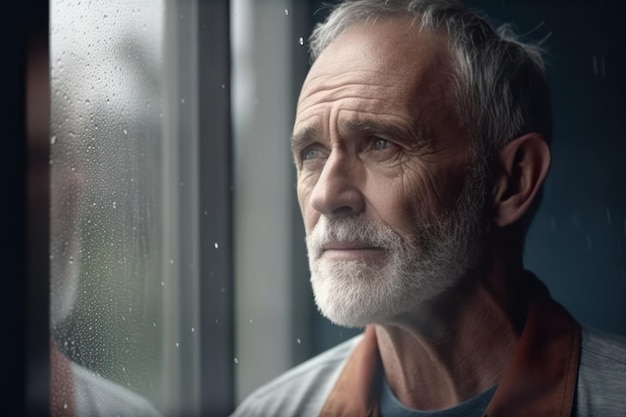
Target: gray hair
(499, 84)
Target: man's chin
(348, 303)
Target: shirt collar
(539, 381)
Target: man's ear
(522, 166)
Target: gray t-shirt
(390, 406)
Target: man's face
(391, 200)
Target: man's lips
(347, 245)
(349, 250)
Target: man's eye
(380, 144)
(311, 153)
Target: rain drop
(71, 260)
(88, 102)
(177, 344)
(193, 330)
(125, 132)
(182, 100)
(53, 139)
(162, 284)
(250, 321)
(114, 205)
(236, 360)
(301, 41)
(298, 341)
(171, 261)
(153, 324)
(65, 405)
(216, 245)
(286, 12)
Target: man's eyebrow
(301, 137)
(414, 133)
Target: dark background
(577, 242)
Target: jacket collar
(540, 379)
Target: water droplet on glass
(114, 205)
(65, 405)
(286, 12)
(182, 100)
(88, 102)
(71, 260)
(216, 245)
(298, 341)
(223, 85)
(301, 41)
(250, 321)
(236, 360)
(171, 261)
(223, 289)
(53, 139)
(153, 324)
(193, 330)
(162, 284)
(125, 132)
(177, 344)
(206, 213)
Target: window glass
(117, 336)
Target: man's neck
(454, 350)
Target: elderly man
(421, 143)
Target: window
(140, 233)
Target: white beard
(415, 270)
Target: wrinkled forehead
(390, 52)
(389, 66)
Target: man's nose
(337, 191)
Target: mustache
(351, 229)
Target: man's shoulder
(602, 374)
(301, 391)
(600, 344)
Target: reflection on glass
(107, 288)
